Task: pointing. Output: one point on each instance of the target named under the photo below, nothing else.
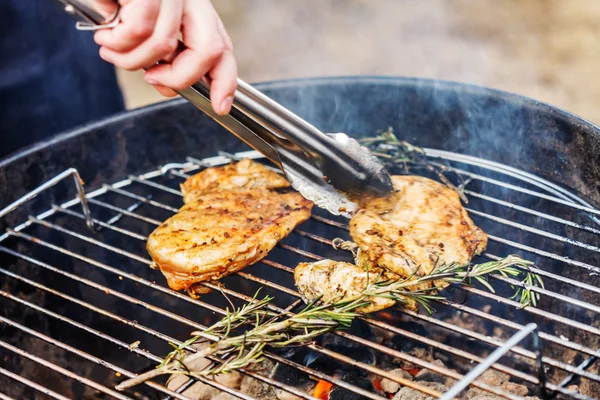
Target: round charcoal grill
(81, 309)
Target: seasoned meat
(245, 174)
(231, 219)
(420, 224)
(334, 280)
(222, 232)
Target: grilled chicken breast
(245, 174)
(222, 232)
(334, 280)
(420, 224)
(231, 219)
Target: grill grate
(125, 212)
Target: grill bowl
(491, 125)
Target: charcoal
(486, 397)
(259, 389)
(294, 353)
(407, 393)
(339, 393)
(358, 328)
(473, 392)
(588, 386)
(329, 365)
(489, 396)
(414, 327)
(515, 388)
(494, 378)
(224, 396)
(232, 379)
(291, 376)
(390, 386)
(361, 354)
(431, 376)
(323, 364)
(201, 391)
(283, 395)
(410, 347)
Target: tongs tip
(366, 177)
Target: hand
(148, 33)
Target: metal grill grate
(125, 212)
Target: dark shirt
(51, 77)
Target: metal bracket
(52, 182)
(499, 353)
(588, 362)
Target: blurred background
(545, 49)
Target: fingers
(208, 52)
(224, 76)
(148, 34)
(165, 91)
(224, 83)
(183, 72)
(138, 18)
(107, 7)
(187, 68)
(162, 43)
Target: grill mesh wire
(128, 210)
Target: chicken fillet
(245, 174)
(221, 232)
(335, 280)
(422, 223)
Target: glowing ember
(412, 371)
(322, 390)
(377, 383)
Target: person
(51, 78)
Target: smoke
(279, 40)
(541, 49)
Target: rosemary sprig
(400, 155)
(285, 330)
(288, 329)
(222, 329)
(511, 266)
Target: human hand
(148, 33)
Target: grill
(149, 192)
(82, 310)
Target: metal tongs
(328, 169)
